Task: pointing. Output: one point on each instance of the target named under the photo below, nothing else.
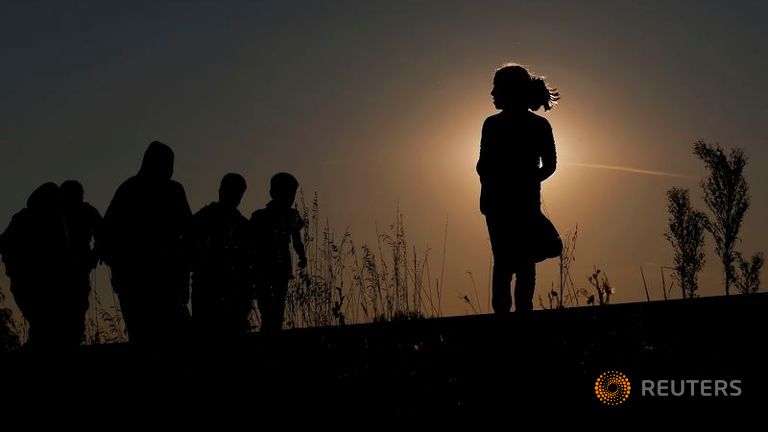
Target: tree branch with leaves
(686, 235)
(726, 194)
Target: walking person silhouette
(81, 223)
(274, 228)
(517, 152)
(35, 253)
(222, 292)
(145, 241)
(49, 256)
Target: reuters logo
(612, 388)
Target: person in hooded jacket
(145, 243)
(35, 253)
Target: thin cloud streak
(630, 170)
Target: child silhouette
(222, 294)
(274, 228)
(517, 152)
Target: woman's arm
(482, 163)
(548, 155)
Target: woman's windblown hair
(521, 81)
(541, 95)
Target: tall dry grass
(344, 283)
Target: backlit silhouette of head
(515, 88)
(231, 190)
(158, 162)
(283, 187)
(72, 192)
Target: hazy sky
(376, 103)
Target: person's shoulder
(240, 221)
(539, 120)
(91, 211)
(294, 214)
(296, 220)
(20, 216)
(258, 215)
(176, 186)
(127, 185)
(205, 211)
(492, 119)
(19, 222)
(133, 188)
(237, 216)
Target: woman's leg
(498, 230)
(525, 285)
(502, 281)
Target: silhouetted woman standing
(517, 152)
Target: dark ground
(539, 368)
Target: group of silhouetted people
(155, 247)
(48, 255)
(153, 243)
